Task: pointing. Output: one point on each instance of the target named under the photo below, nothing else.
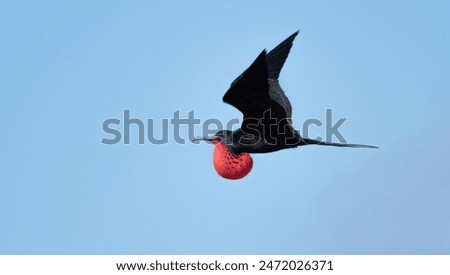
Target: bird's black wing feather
(277, 57)
(249, 93)
(275, 61)
(257, 89)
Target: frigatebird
(267, 124)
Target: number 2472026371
(295, 265)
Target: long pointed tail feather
(319, 142)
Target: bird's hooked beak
(212, 139)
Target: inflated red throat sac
(231, 166)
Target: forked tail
(318, 142)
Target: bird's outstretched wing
(257, 91)
(277, 56)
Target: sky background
(66, 66)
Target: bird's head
(224, 136)
(228, 165)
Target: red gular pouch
(228, 165)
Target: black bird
(267, 124)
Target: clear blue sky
(66, 66)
